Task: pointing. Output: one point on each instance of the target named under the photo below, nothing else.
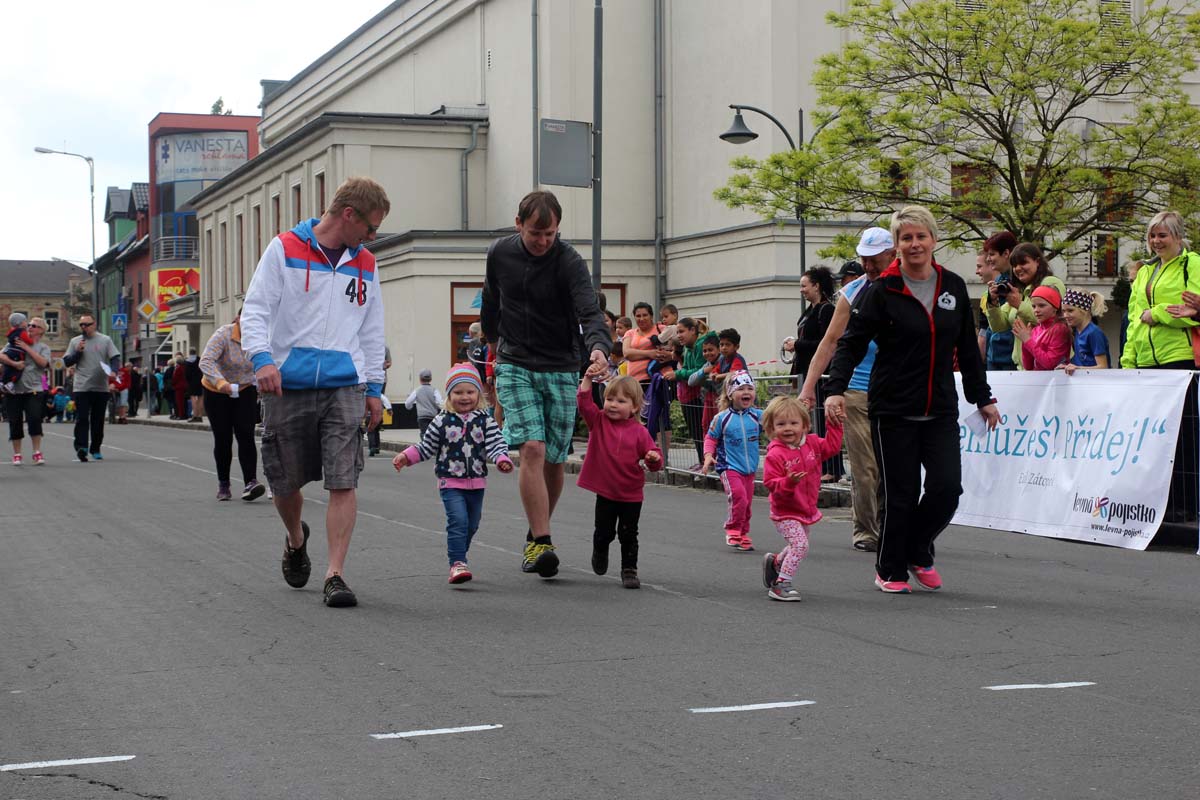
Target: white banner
(1086, 457)
(208, 156)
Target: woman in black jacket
(919, 315)
(816, 285)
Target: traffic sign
(120, 322)
(149, 330)
(146, 309)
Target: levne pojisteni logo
(1114, 510)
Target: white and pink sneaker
(892, 587)
(17, 459)
(38, 459)
(459, 573)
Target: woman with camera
(1012, 298)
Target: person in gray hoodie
(427, 400)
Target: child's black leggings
(617, 520)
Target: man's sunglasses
(370, 228)
(86, 324)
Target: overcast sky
(88, 77)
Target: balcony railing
(176, 248)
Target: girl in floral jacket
(463, 438)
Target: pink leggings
(739, 490)
(796, 534)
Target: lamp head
(738, 133)
(42, 150)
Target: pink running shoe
(38, 459)
(892, 587)
(927, 577)
(745, 545)
(459, 573)
(16, 459)
(733, 539)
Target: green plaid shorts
(538, 407)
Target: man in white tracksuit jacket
(312, 324)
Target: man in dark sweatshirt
(541, 314)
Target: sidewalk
(394, 440)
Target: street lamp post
(740, 133)
(91, 223)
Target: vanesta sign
(206, 156)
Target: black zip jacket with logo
(541, 312)
(914, 366)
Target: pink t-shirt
(798, 500)
(611, 466)
(634, 338)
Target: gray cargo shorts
(310, 434)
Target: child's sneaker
(745, 545)
(599, 558)
(770, 572)
(629, 579)
(734, 540)
(927, 577)
(892, 587)
(38, 459)
(459, 572)
(17, 459)
(782, 590)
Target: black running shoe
(296, 566)
(81, 453)
(599, 558)
(338, 594)
(540, 558)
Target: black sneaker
(296, 566)
(338, 594)
(81, 453)
(599, 558)
(770, 574)
(540, 558)
(629, 579)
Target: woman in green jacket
(1029, 266)
(693, 334)
(1159, 337)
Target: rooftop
(37, 277)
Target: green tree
(219, 107)
(1054, 119)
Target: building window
(965, 181)
(51, 318)
(321, 195)
(206, 274)
(256, 229)
(222, 260)
(296, 204)
(1104, 255)
(239, 259)
(275, 218)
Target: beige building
(43, 289)
(440, 101)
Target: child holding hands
(462, 438)
(617, 444)
(792, 474)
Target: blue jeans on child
(463, 509)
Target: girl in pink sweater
(792, 474)
(1046, 345)
(617, 444)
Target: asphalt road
(141, 618)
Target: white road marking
(753, 707)
(973, 608)
(434, 732)
(1067, 685)
(66, 762)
